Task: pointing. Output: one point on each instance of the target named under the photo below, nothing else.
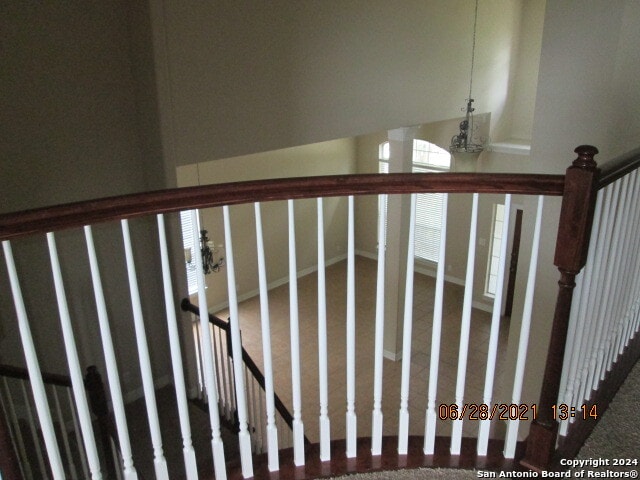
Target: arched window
(427, 157)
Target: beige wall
(459, 208)
(586, 94)
(250, 77)
(333, 157)
(108, 99)
(79, 122)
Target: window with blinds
(187, 242)
(427, 157)
(494, 251)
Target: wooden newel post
(100, 408)
(572, 245)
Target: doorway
(513, 263)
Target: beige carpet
(617, 436)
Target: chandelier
(211, 258)
(464, 147)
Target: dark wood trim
(513, 264)
(23, 374)
(619, 167)
(187, 306)
(389, 459)
(19, 224)
(572, 243)
(570, 445)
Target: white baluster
(261, 418)
(596, 309)
(110, 361)
(159, 462)
(251, 419)
(76, 429)
(209, 370)
(633, 292)
(606, 324)
(236, 347)
(219, 362)
(231, 381)
(25, 467)
(436, 334)
(117, 461)
(587, 331)
(196, 346)
(65, 435)
(456, 435)
(34, 433)
(351, 419)
(298, 426)
(626, 276)
(272, 431)
(325, 425)
(189, 455)
(576, 337)
(403, 421)
(613, 328)
(223, 369)
(483, 430)
(511, 437)
(37, 385)
(376, 416)
(77, 381)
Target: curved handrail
(41, 220)
(187, 306)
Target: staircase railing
(420, 436)
(594, 341)
(23, 431)
(220, 336)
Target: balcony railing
(597, 336)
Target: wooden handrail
(618, 168)
(41, 220)
(187, 306)
(23, 374)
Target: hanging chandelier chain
(473, 48)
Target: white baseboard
(278, 283)
(482, 306)
(422, 269)
(393, 356)
(137, 393)
(425, 270)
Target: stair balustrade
(588, 346)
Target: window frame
(430, 253)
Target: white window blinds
(187, 242)
(427, 157)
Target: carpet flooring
(616, 437)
